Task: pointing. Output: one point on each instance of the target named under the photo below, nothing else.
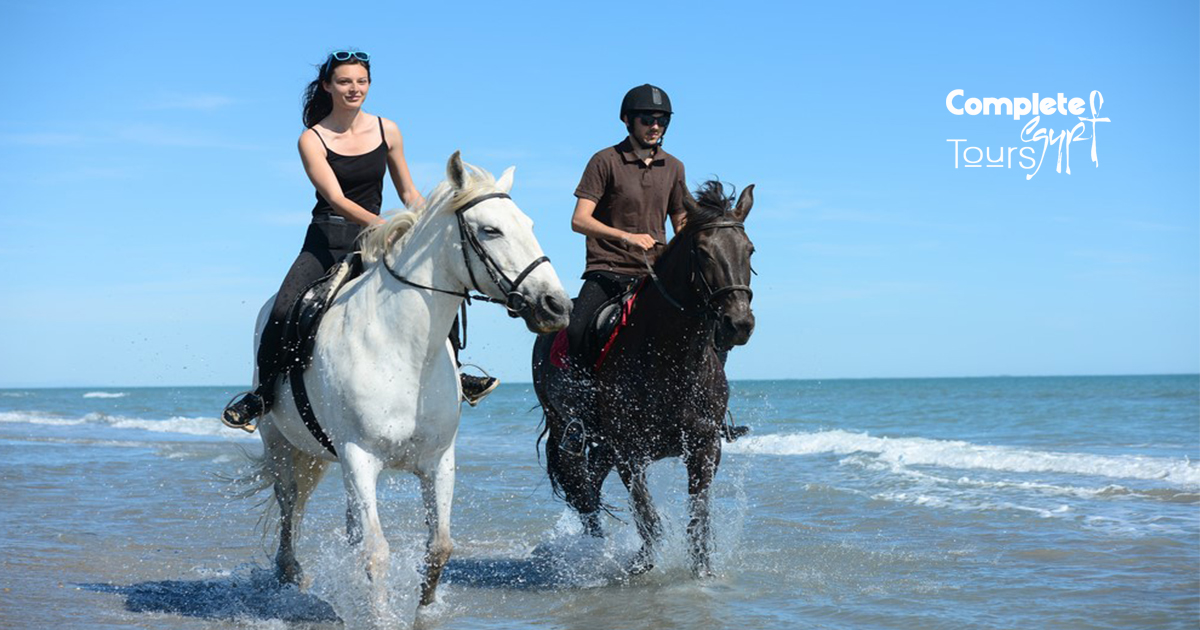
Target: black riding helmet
(645, 98)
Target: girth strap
(300, 395)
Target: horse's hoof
(291, 574)
(591, 524)
(641, 563)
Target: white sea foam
(27, 417)
(176, 424)
(199, 426)
(968, 456)
(105, 395)
(971, 503)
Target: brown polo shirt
(631, 196)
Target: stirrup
(476, 388)
(574, 439)
(730, 431)
(241, 410)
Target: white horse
(383, 382)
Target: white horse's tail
(265, 470)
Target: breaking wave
(967, 456)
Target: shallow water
(923, 503)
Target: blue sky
(153, 197)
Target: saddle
(602, 330)
(300, 336)
(305, 315)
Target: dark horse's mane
(711, 205)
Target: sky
(154, 198)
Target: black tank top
(360, 176)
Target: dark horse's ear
(745, 202)
(456, 172)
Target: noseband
(514, 302)
(707, 310)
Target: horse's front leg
(576, 468)
(633, 475)
(360, 472)
(437, 492)
(600, 461)
(702, 459)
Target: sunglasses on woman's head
(343, 55)
(650, 119)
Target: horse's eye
(492, 231)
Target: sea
(1035, 502)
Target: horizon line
(732, 380)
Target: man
(624, 197)
(623, 200)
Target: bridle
(514, 302)
(707, 309)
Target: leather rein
(707, 310)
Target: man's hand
(644, 241)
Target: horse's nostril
(554, 306)
(741, 327)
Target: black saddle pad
(601, 326)
(305, 315)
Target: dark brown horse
(661, 390)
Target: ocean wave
(198, 426)
(28, 417)
(971, 504)
(968, 456)
(1049, 489)
(176, 424)
(105, 395)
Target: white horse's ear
(745, 202)
(456, 172)
(506, 179)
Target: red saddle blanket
(561, 348)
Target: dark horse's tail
(542, 374)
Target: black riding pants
(598, 288)
(326, 243)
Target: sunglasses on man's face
(650, 119)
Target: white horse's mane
(395, 232)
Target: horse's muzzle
(734, 328)
(548, 312)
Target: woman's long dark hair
(317, 102)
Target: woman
(345, 152)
